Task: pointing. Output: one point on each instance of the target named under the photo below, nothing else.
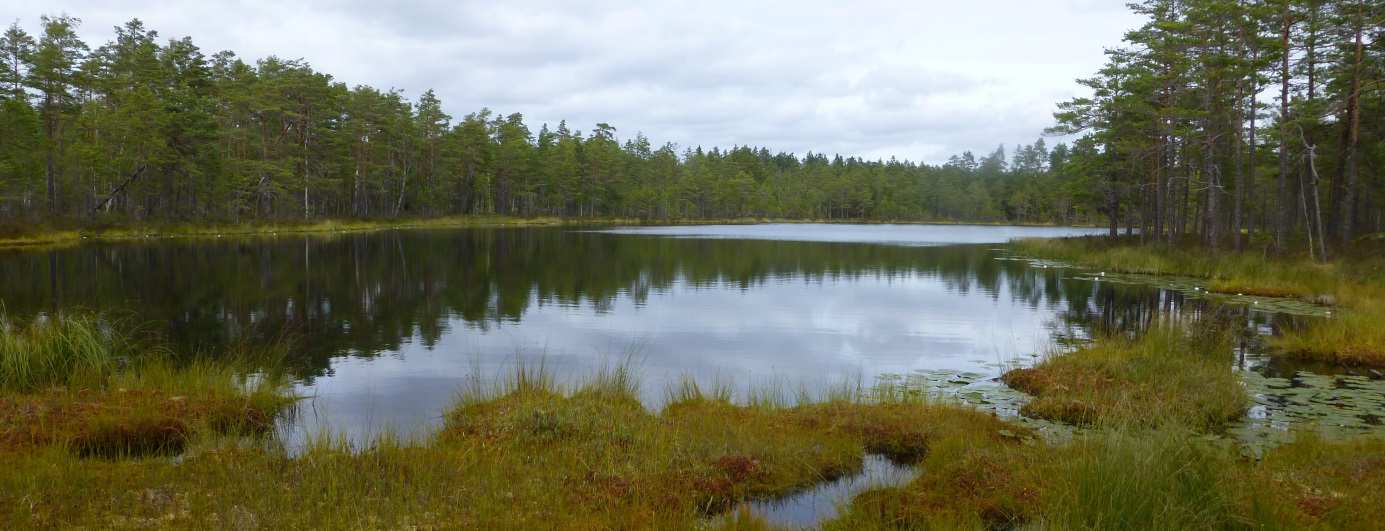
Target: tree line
(1236, 121)
(139, 129)
(1228, 121)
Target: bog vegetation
(95, 447)
(1353, 286)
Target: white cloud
(876, 79)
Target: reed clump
(66, 350)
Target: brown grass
(119, 422)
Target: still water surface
(391, 324)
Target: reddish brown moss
(121, 422)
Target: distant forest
(1181, 138)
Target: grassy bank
(42, 235)
(1134, 479)
(1150, 459)
(1169, 375)
(529, 455)
(1355, 284)
(523, 455)
(56, 235)
(79, 384)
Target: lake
(387, 326)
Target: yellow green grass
(1355, 285)
(533, 456)
(1353, 337)
(1169, 375)
(1134, 479)
(44, 235)
(526, 456)
(50, 235)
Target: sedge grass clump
(1167, 376)
(77, 382)
(1352, 338)
(62, 350)
(1175, 479)
(1141, 479)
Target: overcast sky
(917, 79)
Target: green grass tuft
(1169, 376)
(62, 350)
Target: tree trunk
(1317, 206)
(1281, 227)
(1353, 136)
(1238, 171)
(121, 188)
(306, 212)
(51, 158)
(1250, 162)
(1209, 170)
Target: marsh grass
(527, 453)
(1171, 375)
(63, 234)
(1133, 478)
(523, 452)
(1356, 284)
(1250, 273)
(44, 236)
(688, 391)
(1352, 338)
(63, 350)
(79, 382)
(1337, 485)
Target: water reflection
(807, 509)
(367, 295)
(390, 324)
